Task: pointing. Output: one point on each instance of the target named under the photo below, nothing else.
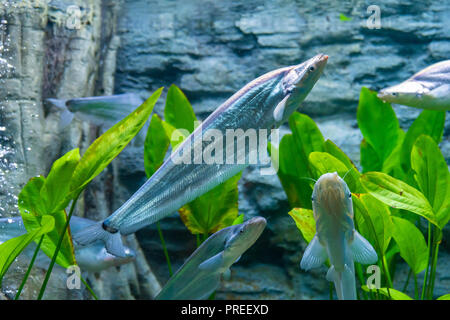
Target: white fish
(336, 237)
(427, 89)
(93, 258)
(264, 103)
(200, 275)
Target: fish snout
(259, 223)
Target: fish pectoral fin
(314, 256)
(212, 264)
(362, 250)
(278, 112)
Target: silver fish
(427, 89)
(100, 111)
(264, 103)
(200, 275)
(93, 258)
(336, 237)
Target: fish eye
(394, 94)
(349, 194)
(312, 68)
(312, 198)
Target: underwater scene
(224, 150)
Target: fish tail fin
(96, 232)
(65, 117)
(344, 282)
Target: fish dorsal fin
(212, 264)
(315, 254)
(279, 109)
(440, 92)
(362, 250)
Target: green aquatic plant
(404, 178)
(43, 200)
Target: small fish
(200, 275)
(100, 111)
(336, 237)
(427, 89)
(264, 103)
(93, 258)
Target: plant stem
(430, 289)
(25, 278)
(407, 280)
(58, 247)
(88, 287)
(331, 290)
(424, 285)
(163, 243)
(416, 287)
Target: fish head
(244, 235)
(298, 81)
(95, 258)
(332, 198)
(407, 93)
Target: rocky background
(210, 49)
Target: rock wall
(209, 49)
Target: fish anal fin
(212, 264)
(362, 250)
(314, 256)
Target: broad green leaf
(9, 250)
(444, 297)
(392, 164)
(429, 122)
(178, 111)
(411, 243)
(304, 220)
(238, 220)
(214, 210)
(378, 123)
(397, 194)
(56, 186)
(389, 292)
(324, 162)
(33, 216)
(103, 150)
(369, 158)
(294, 174)
(432, 176)
(374, 221)
(155, 146)
(336, 152)
(306, 134)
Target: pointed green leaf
(214, 210)
(178, 111)
(9, 250)
(429, 122)
(324, 162)
(389, 292)
(369, 158)
(411, 243)
(336, 152)
(372, 115)
(444, 297)
(238, 220)
(103, 150)
(155, 146)
(306, 134)
(304, 220)
(397, 194)
(432, 176)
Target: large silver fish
(336, 237)
(264, 103)
(100, 110)
(427, 89)
(200, 275)
(93, 258)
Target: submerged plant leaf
(155, 147)
(178, 112)
(369, 158)
(9, 250)
(372, 115)
(411, 243)
(444, 297)
(324, 162)
(33, 216)
(397, 194)
(374, 221)
(389, 292)
(432, 176)
(429, 122)
(103, 150)
(304, 220)
(238, 220)
(214, 210)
